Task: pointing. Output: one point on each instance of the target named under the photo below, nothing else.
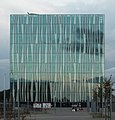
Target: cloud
(110, 71)
(4, 62)
(4, 74)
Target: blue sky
(60, 6)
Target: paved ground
(62, 114)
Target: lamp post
(55, 96)
(4, 99)
(11, 73)
(27, 96)
(18, 101)
(110, 96)
(97, 98)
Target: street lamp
(18, 100)
(4, 99)
(12, 81)
(55, 96)
(110, 96)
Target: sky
(106, 7)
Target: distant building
(56, 57)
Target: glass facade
(56, 57)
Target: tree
(102, 91)
(100, 94)
(107, 88)
(95, 94)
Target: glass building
(56, 57)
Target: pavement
(62, 114)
